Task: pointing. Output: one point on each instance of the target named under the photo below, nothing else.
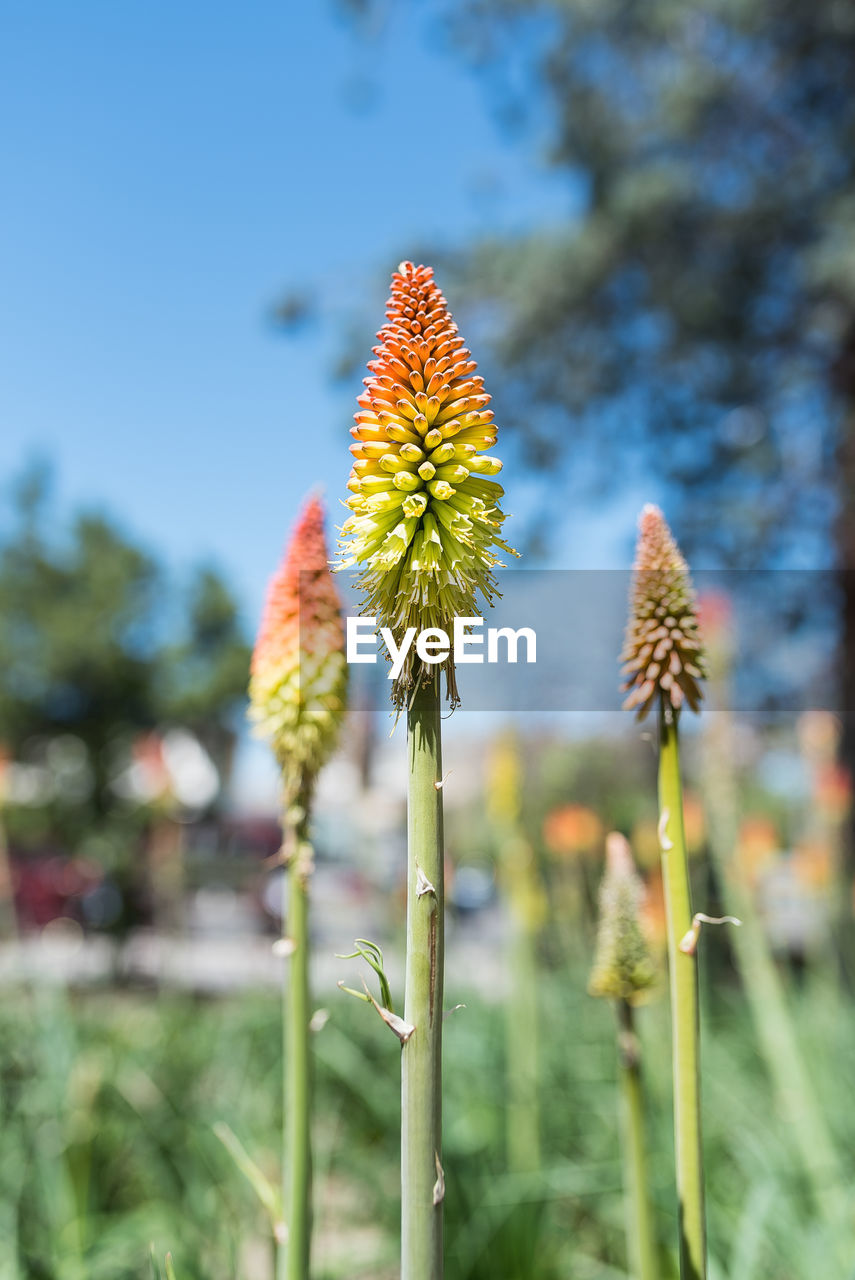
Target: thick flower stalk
(624, 972)
(423, 532)
(298, 689)
(664, 662)
(425, 519)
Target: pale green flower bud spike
(623, 966)
(624, 972)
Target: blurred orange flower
(833, 792)
(818, 734)
(758, 846)
(571, 830)
(694, 823)
(653, 918)
(813, 863)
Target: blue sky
(170, 171)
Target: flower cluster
(425, 508)
(662, 654)
(298, 681)
(623, 967)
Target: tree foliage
(695, 315)
(98, 647)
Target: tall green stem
(422, 1183)
(293, 1261)
(521, 1038)
(684, 1006)
(796, 1095)
(641, 1237)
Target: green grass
(108, 1102)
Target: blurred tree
(696, 314)
(77, 633)
(203, 677)
(695, 317)
(97, 648)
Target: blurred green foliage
(96, 642)
(99, 647)
(108, 1106)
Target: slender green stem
(522, 1018)
(796, 1096)
(684, 1006)
(641, 1237)
(422, 1183)
(293, 1262)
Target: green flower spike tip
(623, 967)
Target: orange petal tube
(425, 508)
(298, 678)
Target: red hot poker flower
(662, 654)
(298, 679)
(426, 516)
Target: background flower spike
(624, 972)
(663, 665)
(297, 691)
(623, 966)
(662, 654)
(298, 681)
